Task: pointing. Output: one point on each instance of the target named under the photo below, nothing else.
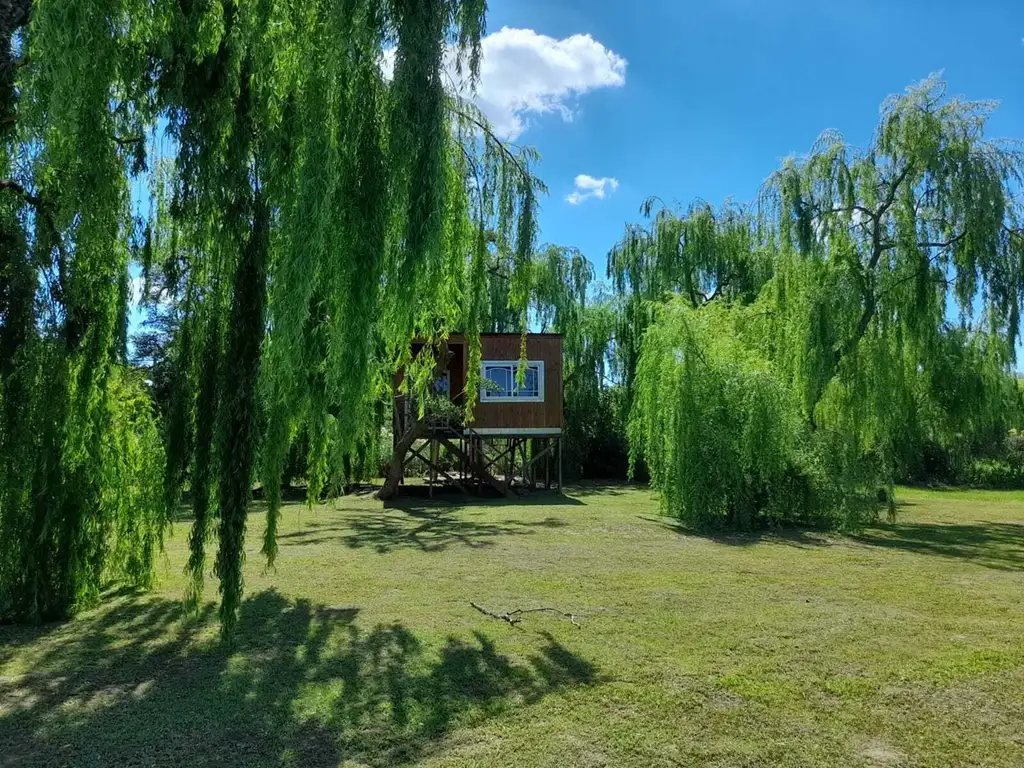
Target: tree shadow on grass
(602, 489)
(141, 683)
(993, 545)
(420, 497)
(427, 527)
(801, 538)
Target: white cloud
(523, 73)
(588, 187)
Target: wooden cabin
(515, 435)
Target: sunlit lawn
(903, 646)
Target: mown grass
(900, 646)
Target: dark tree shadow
(141, 683)
(429, 527)
(417, 496)
(993, 545)
(801, 538)
(432, 531)
(583, 489)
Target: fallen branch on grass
(516, 616)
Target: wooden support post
(508, 468)
(434, 452)
(547, 464)
(479, 463)
(559, 441)
(454, 481)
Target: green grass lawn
(902, 646)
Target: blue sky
(688, 99)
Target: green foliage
(371, 233)
(721, 431)
(77, 437)
(846, 277)
(50, 568)
(132, 456)
(239, 435)
(306, 216)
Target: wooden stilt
(479, 459)
(453, 480)
(508, 467)
(559, 441)
(547, 464)
(434, 452)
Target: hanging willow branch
(370, 243)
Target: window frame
(488, 396)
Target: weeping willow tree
(702, 254)
(323, 214)
(879, 290)
(565, 299)
(305, 208)
(884, 252)
(78, 440)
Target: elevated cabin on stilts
(514, 440)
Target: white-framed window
(500, 385)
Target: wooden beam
(547, 464)
(482, 474)
(436, 468)
(491, 461)
(559, 442)
(545, 452)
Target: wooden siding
(512, 415)
(506, 346)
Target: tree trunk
(416, 430)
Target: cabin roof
(554, 335)
(460, 337)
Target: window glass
(502, 378)
(443, 385)
(530, 388)
(504, 385)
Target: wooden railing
(406, 413)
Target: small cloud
(588, 187)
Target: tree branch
(722, 284)
(515, 617)
(853, 208)
(889, 244)
(34, 200)
(43, 211)
(893, 190)
(127, 140)
(484, 128)
(878, 247)
(942, 246)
